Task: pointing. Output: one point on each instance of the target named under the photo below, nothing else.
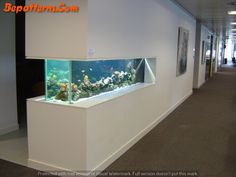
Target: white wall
(200, 69)
(57, 35)
(8, 108)
(204, 36)
(145, 28)
(198, 52)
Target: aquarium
(73, 81)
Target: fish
(83, 71)
(111, 70)
(129, 65)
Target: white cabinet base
(70, 138)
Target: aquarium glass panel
(58, 79)
(95, 77)
(72, 81)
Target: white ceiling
(212, 13)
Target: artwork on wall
(182, 54)
(203, 59)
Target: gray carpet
(199, 136)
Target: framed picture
(203, 59)
(182, 54)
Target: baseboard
(9, 129)
(103, 165)
(140, 135)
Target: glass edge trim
(45, 77)
(70, 82)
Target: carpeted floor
(199, 137)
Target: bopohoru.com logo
(38, 8)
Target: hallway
(200, 135)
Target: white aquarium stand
(89, 135)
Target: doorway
(209, 58)
(29, 73)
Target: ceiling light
(233, 30)
(232, 12)
(233, 23)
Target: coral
(63, 87)
(62, 95)
(74, 87)
(86, 80)
(58, 85)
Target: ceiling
(212, 13)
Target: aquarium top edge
(89, 59)
(41, 100)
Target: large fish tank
(74, 81)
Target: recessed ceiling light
(232, 12)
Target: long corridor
(199, 136)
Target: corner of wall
(9, 128)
